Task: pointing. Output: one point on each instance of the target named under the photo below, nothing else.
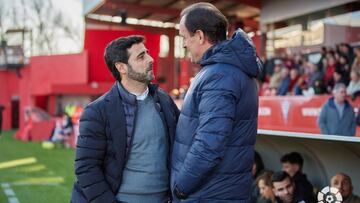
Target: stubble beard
(145, 77)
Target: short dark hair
(207, 18)
(280, 176)
(117, 51)
(293, 158)
(259, 163)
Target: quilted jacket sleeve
(217, 104)
(90, 153)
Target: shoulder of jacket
(162, 94)
(99, 105)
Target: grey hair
(338, 86)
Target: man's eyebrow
(142, 53)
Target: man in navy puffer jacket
(215, 136)
(126, 135)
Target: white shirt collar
(141, 96)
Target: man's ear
(121, 67)
(201, 36)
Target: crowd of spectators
(295, 74)
(291, 185)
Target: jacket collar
(118, 91)
(125, 95)
(332, 103)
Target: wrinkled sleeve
(89, 159)
(217, 104)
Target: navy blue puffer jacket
(215, 136)
(106, 127)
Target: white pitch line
(9, 193)
(5, 185)
(13, 200)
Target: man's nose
(151, 60)
(341, 185)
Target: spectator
(320, 64)
(269, 66)
(339, 77)
(319, 87)
(347, 51)
(337, 116)
(62, 131)
(324, 63)
(276, 77)
(330, 53)
(284, 82)
(302, 83)
(285, 189)
(338, 48)
(292, 164)
(258, 166)
(298, 59)
(337, 56)
(344, 68)
(294, 78)
(344, 64)
(257, 170)
(313, 81)
(267, 71)
(354, 85)
(356, 64)
(342, 182)
(288, 60)
(314, 74)
(329, 72)
(266, 189)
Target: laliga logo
(329, 195)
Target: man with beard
(126, 135)
(285, 189)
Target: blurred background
(51, 67)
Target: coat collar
(332, 103)
(117, 91)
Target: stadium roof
(165, 13)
